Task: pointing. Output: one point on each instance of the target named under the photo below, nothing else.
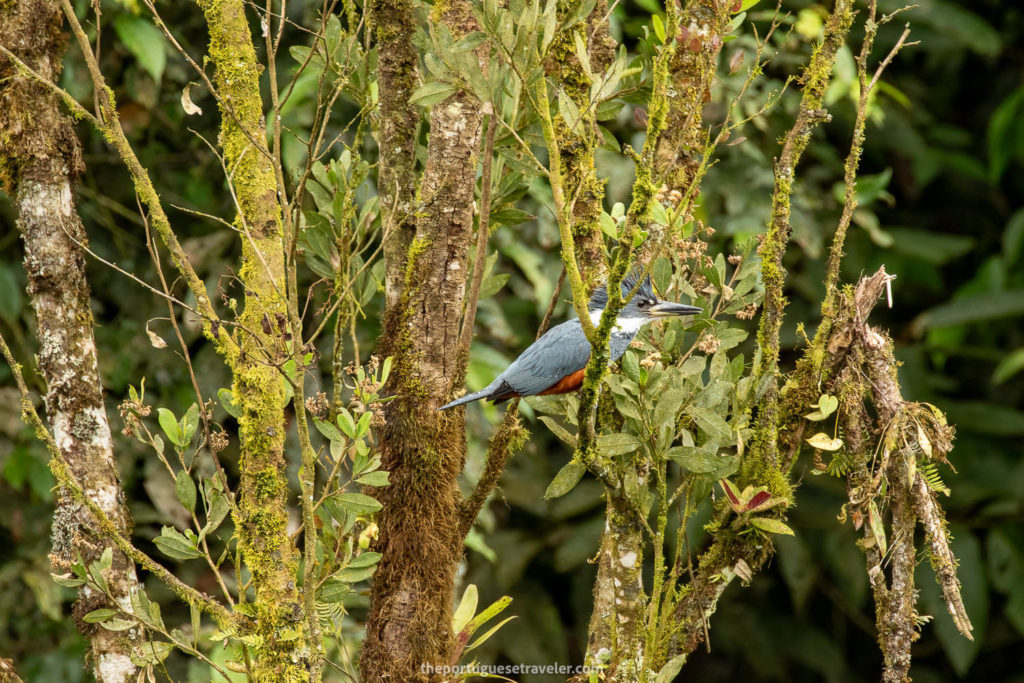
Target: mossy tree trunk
(617, 625)
(263, 348)
(41, 161)
(577, 145)
(409, 627)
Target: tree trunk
(677, 160)
(42, 159)
(409, 627)
(258, 383)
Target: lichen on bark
(41, 161)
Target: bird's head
(644, 307)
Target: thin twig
(483, 227)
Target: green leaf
(712, 424)
(490, 632)
(771, 525)
(153, 652)
(697, 459)
(98, 615)
(106, 558)
(672, 668)
(569, 110)
(466, 609)
(933, 247)
(67, 581)
(190, 423)
(492, 285)
(826, 405)
(430, 94)
(363, 426)
(659, 28)
(219, 507)
(973, 309)
(347, 424)
(376, 479)
(355, 574)
(144, 41)
(488, 613)
(367, 559)
(581, 54)
(511, 216)
(631, 366)
(169, 423)
(118, 625)
(618, 443)
(1010, 365)
(173, 543)
(580, 11)
(732, 494)
(469, 42)
(329, 431)
(565, 480)
(1013, 238)
(227, 401)
(358, 503)
(668, 406)
(185, 489)
(475, 541)
(825, 442)
(559, 431)
(333, 590)
(984, 417)
(1002, 131)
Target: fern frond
(930, 472)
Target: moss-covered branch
(815, 80)
(577, 144)
(262, 520)
(692, 70)
(556, 178)
(617, 623)
(108, 123)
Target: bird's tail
(476, 396)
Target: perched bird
(554, 364)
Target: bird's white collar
(624, 325)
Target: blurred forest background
(941, 205)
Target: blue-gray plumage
(554, 363)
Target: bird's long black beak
(663, 309)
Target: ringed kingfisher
(554, 364)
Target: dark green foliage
(941, 204)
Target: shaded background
(942, 206)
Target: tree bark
(577, 145)
(618, 607)
(399, 121)
(409, 627)
(618, 622)
(258, 383)
(42, 159)
(693, 68)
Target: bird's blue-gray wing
(562, 350)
